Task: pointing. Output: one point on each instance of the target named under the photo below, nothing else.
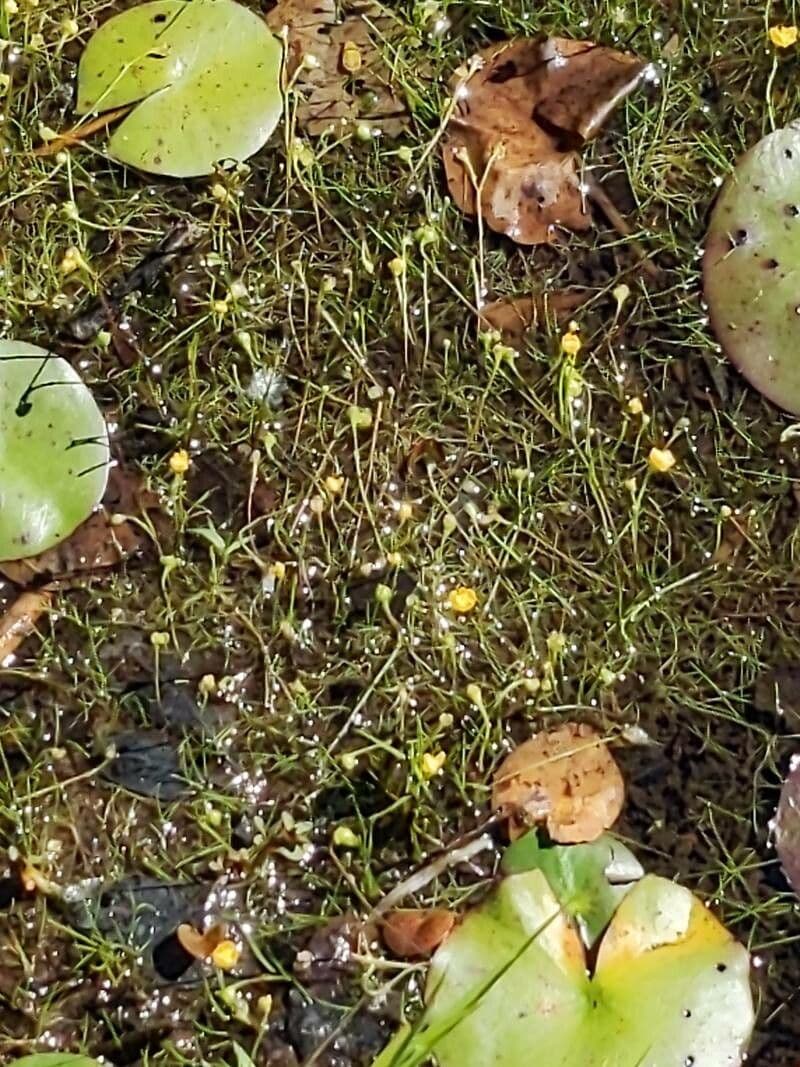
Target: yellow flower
(571, 344)
(344, 837)
(226, 955)
(431, 763)
(351, 57)
(463, 599)
(334, 485)
(635, 405)
(661, 460)
(783, 36)
(180, 462)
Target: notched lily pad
(670, 986)
(750, 264)
(54, 452)
(204, 76)
(588, 880)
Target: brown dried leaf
(425, 452)
(567, 779)
(99, 542)
(19, 622)
(200, 945)
(331, 98)
(513, 317)
(519, 119)
(413, 932)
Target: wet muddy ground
(247, 654)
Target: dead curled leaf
(514, 317)
(414, 932)
(565, 778)
(19, 621)
(200, 945)
(516, 127)
(104, 540)
(332, 96)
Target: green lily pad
(510, 985)
(752, 255)
(204, 74)
(54, 454)
(588, 880)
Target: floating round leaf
(53, 450)
(752, 255)
(787, 825)
(205, 76)
(670, 986)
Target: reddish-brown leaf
(413, 932)
(519, 120)
(565, 778)
(513, 317)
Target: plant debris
(19, 621)
(524, 108)
(146, 762)
(140, 279)
(566, 779)
(336, 92)
(514, 317)
(413, 933)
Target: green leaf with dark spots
(751, 264)
(204, 76)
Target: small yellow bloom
(431, 763)
(463, 599)
(278, 570)
(783, 36)
(72, 261)
(661, 460)
(397, 266)
(635, 406)
(180, 462)
(220, 307)
(394, 559)
(351, 57)
(226, 955)
(474, 695)
(334, 485)
(571, 343)
(207, 685)
(344, 837)
(405, 510)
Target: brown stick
(20, 620)
(600, 197)
(79, 133)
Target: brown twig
(79, 133)
(603, 201)
(20, 620)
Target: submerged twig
(141, 279)
(603, 201)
